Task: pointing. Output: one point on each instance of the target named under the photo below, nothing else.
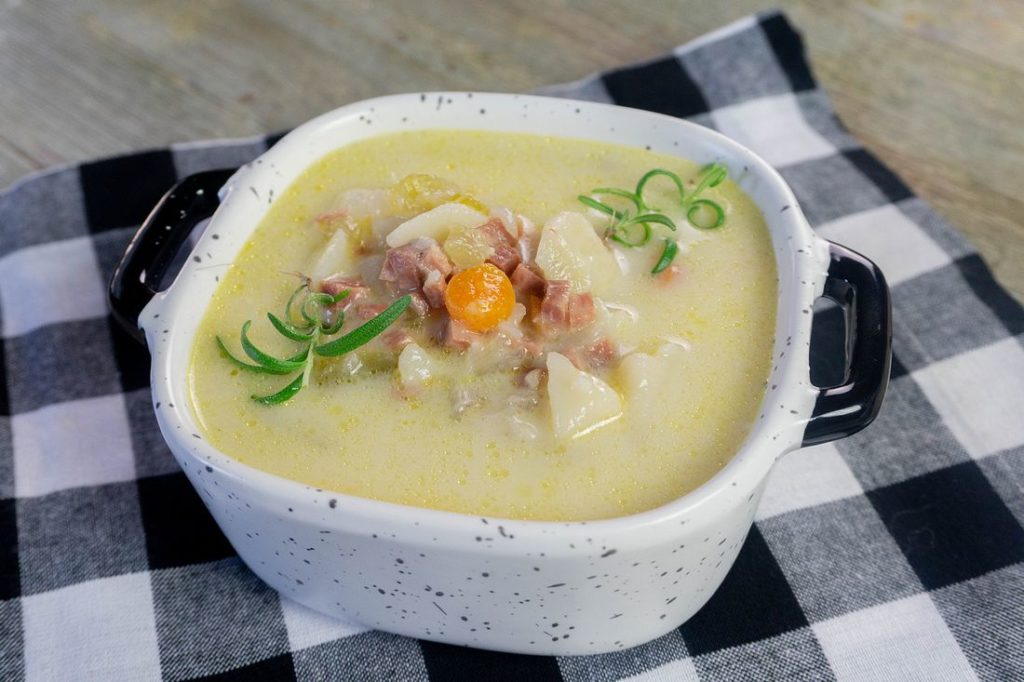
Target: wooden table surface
(934, 87)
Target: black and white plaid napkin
(895, 554)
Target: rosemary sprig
(316, 323)
(631, 225)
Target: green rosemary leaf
(597, 205)
(667, 256)
(335, 326)
(291, 301)
(655, 172)
(712, 175)
(697, 212)
(634, 199)
(658, 218)
(299, 357)
(322, 298)
(632, 233)
(285, 394)
(241, 363)
(715, 173)
(365, 333)
(311, 311)
(287, 330)
(269, 362)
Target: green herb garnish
(317, 322)
(631, 225)
(669, 253)
(698, 213)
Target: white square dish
(487, 582)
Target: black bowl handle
(857, 285)
(156, 243)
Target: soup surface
(540, 371)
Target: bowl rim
(743, 473)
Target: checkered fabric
(895, 554)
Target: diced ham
(419, 267)
(601, 353)
(434, 259)
(494, 230)
(366, 311)
(581, 310)
(334, 285)
(506, 251)
(419, 304)
(554, 307)
(456, 335)
(402, 268)
(561, 310)
(433, 289)
(527, 282)
(396, 339)
(505, 257)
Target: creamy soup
(558, 351)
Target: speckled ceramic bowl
(531, 587)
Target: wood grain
(936, 88)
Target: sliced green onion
(285, 394)
(269, 362)
(667, 256)
(341, 295)
(365, 333)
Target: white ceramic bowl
(488, 582)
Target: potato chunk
(570, 249)
(580, 402)
(363, 204)
(437, 224)
(415, 367)
(337, 258)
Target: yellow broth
(363, 437)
